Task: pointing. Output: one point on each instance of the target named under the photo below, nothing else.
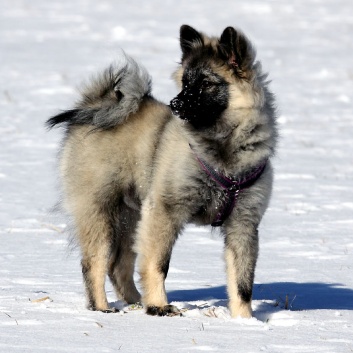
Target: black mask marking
(203, 99)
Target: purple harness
(231, 188)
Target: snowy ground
(48, 47)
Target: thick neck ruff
(232, 188)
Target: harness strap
(231, 187)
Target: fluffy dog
(135, 171)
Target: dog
(135, 171)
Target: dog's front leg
(241, 250)
(156, 236)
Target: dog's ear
(236, 49)
(189, 38)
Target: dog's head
(215, 74)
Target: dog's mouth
(175, 112)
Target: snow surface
(48, 47)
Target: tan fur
(236, 306)
(92, 157)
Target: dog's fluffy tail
(110, 97)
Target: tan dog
(134, 175)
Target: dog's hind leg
(95, 232)
(241, 249)
(122, 258)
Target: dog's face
(210, 68)
(203, 98)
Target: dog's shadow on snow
(289, 295)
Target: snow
(303, 293)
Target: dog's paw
(166, 310)
(110, 311)
(106, 311)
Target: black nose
(176, 105)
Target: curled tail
(110, 97)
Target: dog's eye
(206, 83)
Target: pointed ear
(236, 49)
(188, 38)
